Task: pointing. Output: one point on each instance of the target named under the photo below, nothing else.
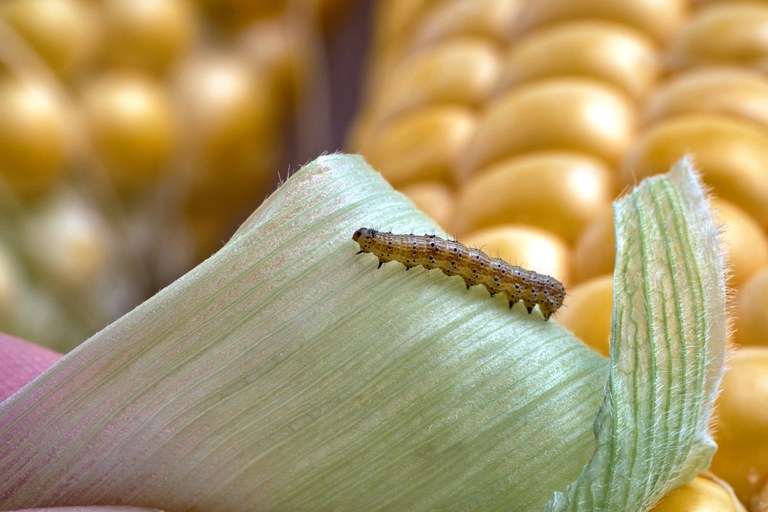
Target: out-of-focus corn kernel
(229, 113)
(744, 241)
(740, 93)
(525, 246)
(600, 122)
(64, 33)
(148, 34)
(595, 251)
(38, 317)
(558, 192)
(742, 422)
(434, 198)
(36, 136)
(396, 18)
(489, 19)
(614, 53)
(67, 242)
(424, 145)
(731, 155)
(751, 305)
(723, 33)
(278, 50)
(394, 23)
(132, 128)
(657, 18)
(702, 494)
(457, 72)
(587, 312)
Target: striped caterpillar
(472, 265)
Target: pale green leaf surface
(287, 373)
(667, 349)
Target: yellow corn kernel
(587, 312)
(532, 117)
(744, 242)
(741, 423)
(660, 20)
(741, 93)
(731, 155)
(559, 192)
(604, 51)
(705, 493)
(434, 198)
(728, 33)
(751, 305)
(422, 146)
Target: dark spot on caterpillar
(472, 265)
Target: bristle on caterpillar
(472, 265)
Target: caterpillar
(472, 265)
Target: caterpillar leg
(529, 306)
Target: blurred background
(135, 135)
